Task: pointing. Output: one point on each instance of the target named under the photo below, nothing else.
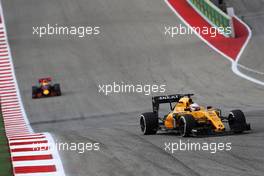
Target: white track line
(250, 69)
(55, 153)
(34, 153)
(40, 174)
(12, 67)
(28, 140)
(34, 163)
(34, 146)
(26, 136)
(235, 63)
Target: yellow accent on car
(46, 92)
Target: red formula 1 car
(45, 89)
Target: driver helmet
(195, 107)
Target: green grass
(5, 158)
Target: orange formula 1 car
(188, 118)
(45, 89)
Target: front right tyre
(57, 89)
(186, 124)
(237, 121)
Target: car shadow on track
(212, 135)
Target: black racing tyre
(57, 89)
(237, 121)
(187, 123)
(149, 123)
(34, 91)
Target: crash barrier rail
(212, 14)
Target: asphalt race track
(132, 48)
(252, 13)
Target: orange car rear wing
(157, 100)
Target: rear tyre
(57, 89)
(34, 92)
(149, 123)
(237, 121)
(187, 123)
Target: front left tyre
(149, 123)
